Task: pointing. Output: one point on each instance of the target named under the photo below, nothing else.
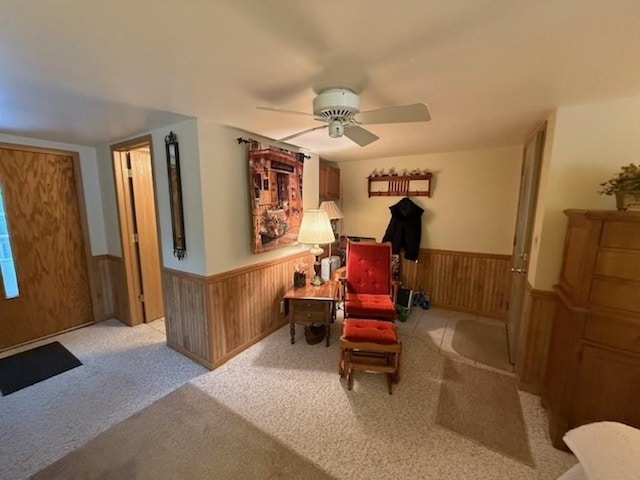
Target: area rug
(482, 342)
(186, 434)
(32, 366)
(484, 406)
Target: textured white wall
(215, 196)
(109, 206)
(225, 196)
(187, 134)
(586, 145)
(473, 204)
(90, 183)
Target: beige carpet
(482, 342)
(185, 435)
(485, 407)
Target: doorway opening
(527, 199)
(139, 234)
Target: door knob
(518, 270)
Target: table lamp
(333, 212)
(315, 230)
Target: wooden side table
(312, 305)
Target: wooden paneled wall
(211, 319)
(185, 314)
(471, 282)
(112, 293)
(538, 310)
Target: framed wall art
(275, 186)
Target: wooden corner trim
(542, 294)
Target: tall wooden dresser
(593, 371)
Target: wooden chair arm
(395, 285)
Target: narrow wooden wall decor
(471, 282)
(538, 310)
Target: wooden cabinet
(593, 372)
(329, 182)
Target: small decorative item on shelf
(375, 173)
(300, 276)
(392, 171)
(625, 185)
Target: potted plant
(625, 185)
(300, 275)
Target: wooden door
(139, 233)
(529, 179)
(44, 221)
(147, 233)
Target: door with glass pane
(43, 268)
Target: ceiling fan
(339, 110)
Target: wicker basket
(314, 333)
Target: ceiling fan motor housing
(337, 103)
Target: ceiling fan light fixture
(336, 102)
(339, 110)
(336, 128)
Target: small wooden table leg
(327, 329)
(292, 327)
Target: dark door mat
(26, 368)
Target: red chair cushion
(366, 306)
(369, 268)
(373, 331)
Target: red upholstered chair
(367, 283)
(370, 345)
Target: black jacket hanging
(405, 228)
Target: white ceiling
(491, 71)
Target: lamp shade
(332, 210)
(315, 228)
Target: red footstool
(372, 346)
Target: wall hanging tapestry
(275, 188)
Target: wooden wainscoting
(185, 314)
(211, 319)
(243, 305)
(112, 293)
(471, 282)
(538, 309)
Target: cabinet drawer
(309, 316)
(613, 333)
(619, 264)
(622, 295)
(309, 305)
(620, 235)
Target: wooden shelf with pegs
(400, 185)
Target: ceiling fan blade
(359, 135)
(309, 130)
(417, 112)
(282, 110)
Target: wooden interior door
(147, 232)
(138, 230)
(529, 180)
(44, 220)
